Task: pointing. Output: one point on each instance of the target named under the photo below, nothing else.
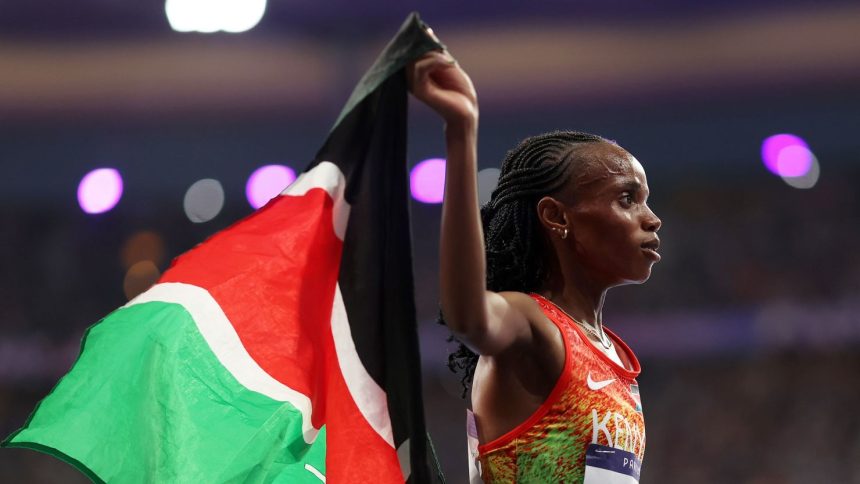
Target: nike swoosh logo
(597, 385)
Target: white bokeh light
(203, 200)
(209, 16)
(488, 179)
(808, 179)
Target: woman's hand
(438, 81)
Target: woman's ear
(552, 214)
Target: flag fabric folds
(281, 349)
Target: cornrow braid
(538, 166)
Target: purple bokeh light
(427, 180)
(100, 190)
(267, 182)
(786, 155)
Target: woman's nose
(652, 222)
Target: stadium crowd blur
(748, 331)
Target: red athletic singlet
(589, 430)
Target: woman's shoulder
(518, 299)
(526, 303)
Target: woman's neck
(580, 298)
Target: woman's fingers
(422, 68)
(438, 81)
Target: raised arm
(487, 322)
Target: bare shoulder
(518, 305)
(510, 319)
(542, 332)
(523, 303)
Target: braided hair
(515, 249)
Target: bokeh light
(488, 179)
(267, 182)
(789, 157)
(786, 155)
(140, 277)
(808, 179)
(204, 200)
(427, 181)
(141, 246)
(100, 190)
(209, 16)
(794, 161)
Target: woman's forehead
(605, 165)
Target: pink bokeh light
(427, 181)
(786, 155)
(100, 190)
(794, 161)
(267, 182)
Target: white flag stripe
(222, 338)
(325, 175)
(367, 395)
(313, 470)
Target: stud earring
(564, 234)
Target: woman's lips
(651, 254)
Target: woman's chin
(640, 277)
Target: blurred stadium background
(748, 331)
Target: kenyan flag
(282, 349)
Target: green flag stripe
(224, 342)
(171, 413)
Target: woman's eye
(627, 199)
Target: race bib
(608, 465)
(472, 448)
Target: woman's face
(612, 229)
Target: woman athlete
(523, 283)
